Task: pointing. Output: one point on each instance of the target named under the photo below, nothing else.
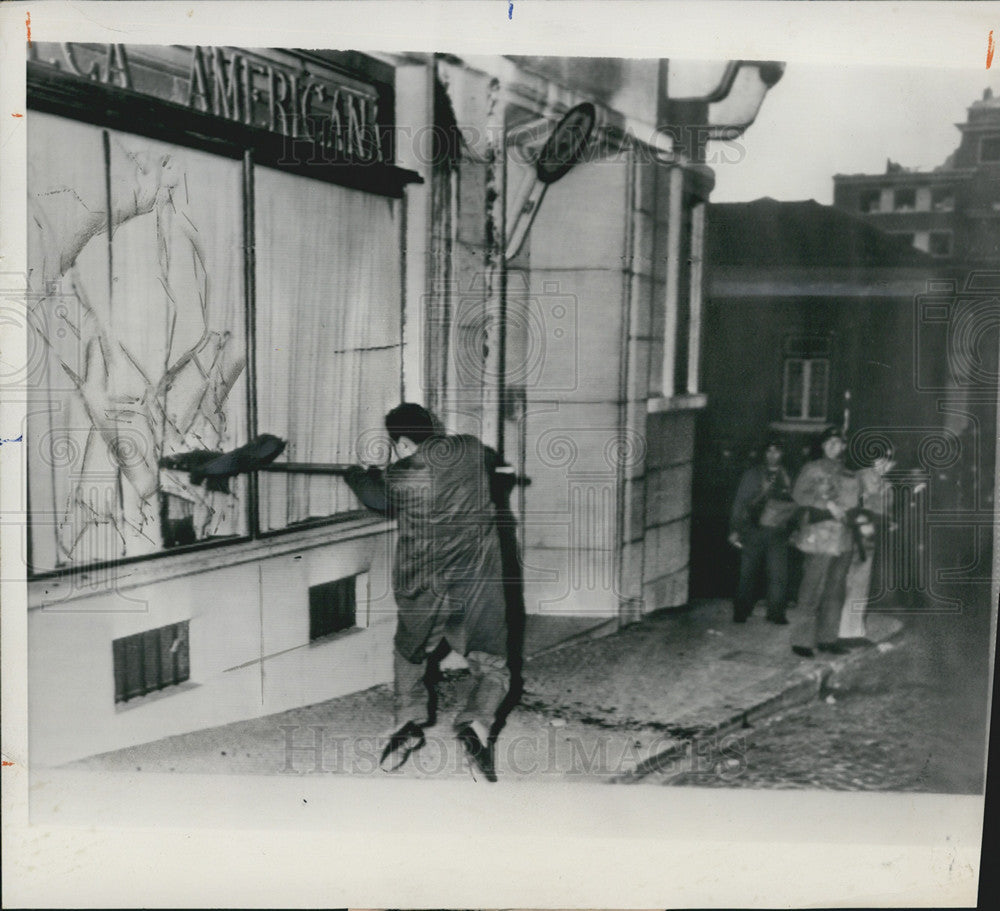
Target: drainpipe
(495, 278)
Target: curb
(798, 692)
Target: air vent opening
(152, 660)
(332, 607)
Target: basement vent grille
(332, 607)
(151, 660)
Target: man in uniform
(827, 491)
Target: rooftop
(767, 232)
(983, 115)
(988, 101)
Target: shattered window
(140, 388)
(140, 334)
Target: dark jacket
(448, 552)
(756, 486)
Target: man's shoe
(832, 648)
(803, 650)
(480, 754)
(780, 621)
(408, 739)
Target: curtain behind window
(143, 338)
(329, 352)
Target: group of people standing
(835, 517)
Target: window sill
(173, 690)
(58, 592)
(798, 426)
(337, 636)
(688, 402)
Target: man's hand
(734, 539)
(835, 510)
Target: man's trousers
(822, 592)
(490, 683)
(767, 549)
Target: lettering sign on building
(289, 93)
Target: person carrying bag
(759, 526)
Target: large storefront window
(329, 334)
(146, 344)
(144, 336)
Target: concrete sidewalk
(671, 691)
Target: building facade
(952, 212)
(229, 247)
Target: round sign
(567, 143)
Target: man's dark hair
(409, 420)
(775, 441)
(830, 432)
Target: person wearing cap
(876, 501)
(447, 578)
(758, 524)
(826, 491)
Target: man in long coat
(447, 576)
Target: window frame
(896, 206)
(684, 292)
(807, 363)
(983, 140)
(943, 199)
(83, 101)
(871, 196)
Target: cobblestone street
(913, 720)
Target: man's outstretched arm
(369, 487)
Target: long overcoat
(447, 563)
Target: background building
(809, 321)
(952, 212)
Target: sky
(824, 120)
